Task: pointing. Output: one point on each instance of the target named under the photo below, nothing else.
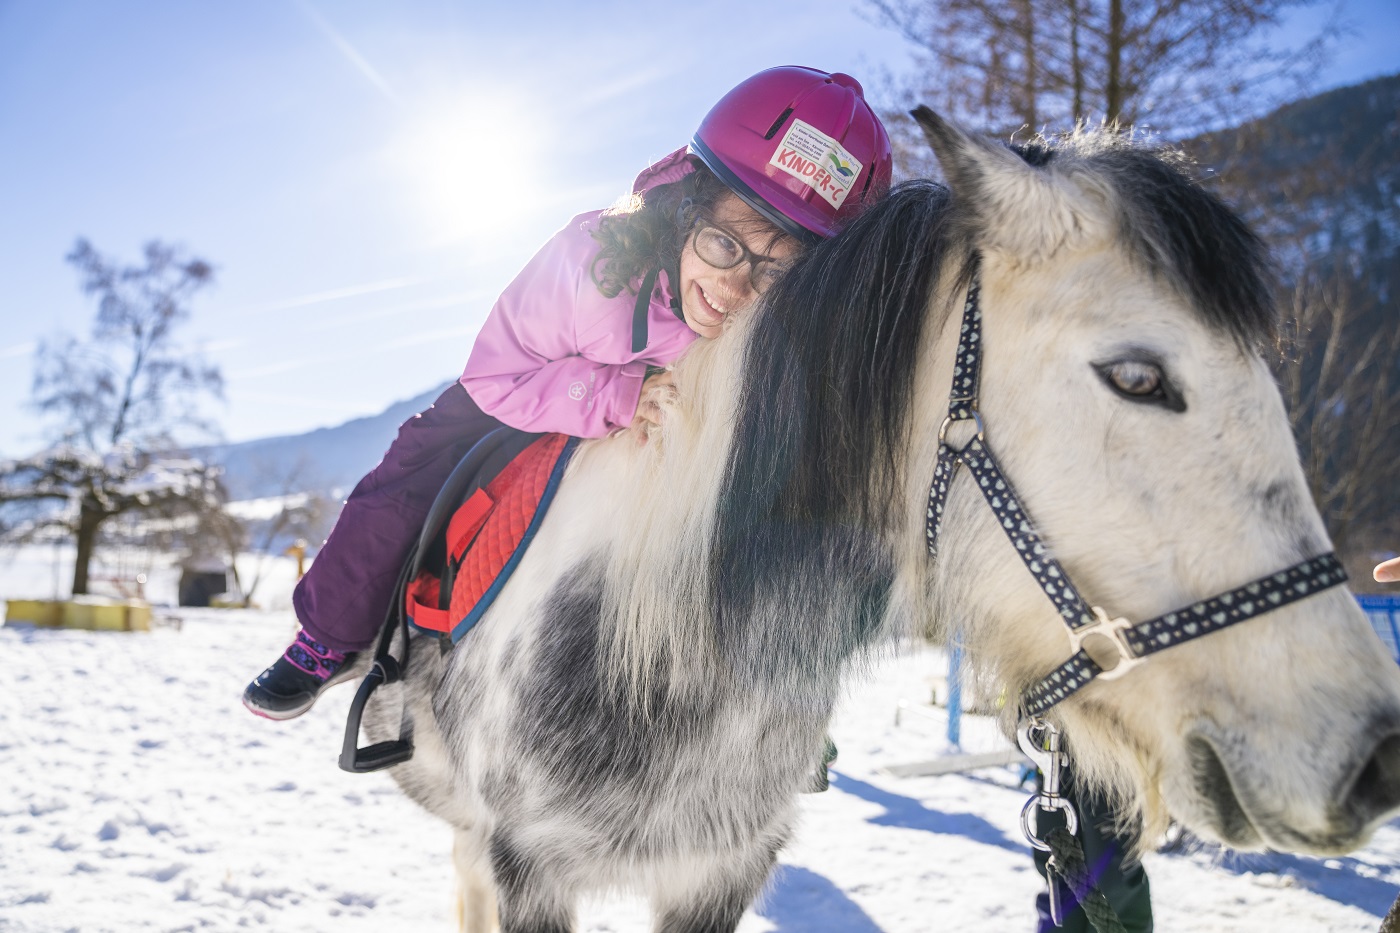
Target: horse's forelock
(1176, 229)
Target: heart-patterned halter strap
(1101, 646)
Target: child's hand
(658, 389)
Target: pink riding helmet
(798, 145)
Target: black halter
(1117, 644)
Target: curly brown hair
(646, 232)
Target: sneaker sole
(281, 715)
(277, 715)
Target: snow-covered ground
(136, 793)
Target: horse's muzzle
(1241, 819)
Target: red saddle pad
(486, 537)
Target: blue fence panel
(1384, 612)
(955, 660)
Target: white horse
(647, 697)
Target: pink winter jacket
(554, 354)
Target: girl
(577, 344)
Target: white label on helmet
(820, 162)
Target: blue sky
(365, 176)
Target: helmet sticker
(820, 162)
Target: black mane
(831, 363)
(822, 415)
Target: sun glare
(470, 169)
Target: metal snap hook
(1029, 736)
(1049, 805)
(1039, 739)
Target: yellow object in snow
(96, 613)
(298, 550)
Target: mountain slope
(1320, 180)
(324, 460)
(1317, 176)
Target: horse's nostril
(1377, 788)
(1216, 790)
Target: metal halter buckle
(1108, 645)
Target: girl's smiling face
(709, 294)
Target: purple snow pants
(344, 598)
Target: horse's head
(1124, 392)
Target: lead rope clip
(1040, 741)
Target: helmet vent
(778, 124)
(869, 177)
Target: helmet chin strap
(685, 214)
(676, 308)
(642, 309)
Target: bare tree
(119, 400)
(1340, 382)
(1317, 178)
(264, 528)
(1180, 66)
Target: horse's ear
(970, 163)
(1023, 209)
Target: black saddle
(483, 463)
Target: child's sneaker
(290, 686)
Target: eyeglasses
(722, 249)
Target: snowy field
(136, 793)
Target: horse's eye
(1141, 381)
(1132, 377)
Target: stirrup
(386, 668)
(381, 755)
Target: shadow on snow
(908, 813)
(799, 900)
(1342, 879)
